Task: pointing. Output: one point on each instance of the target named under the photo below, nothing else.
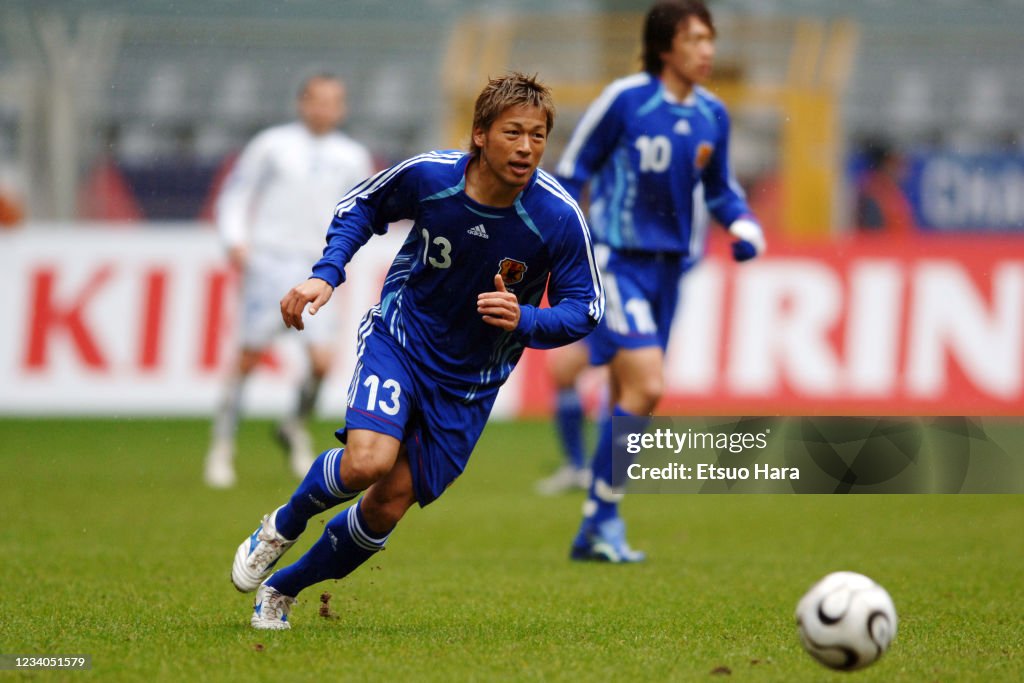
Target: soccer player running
(645, 146)
(458, 306)
(270, 216)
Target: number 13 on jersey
(441, 255)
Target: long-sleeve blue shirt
(645, 154)
(453, 251)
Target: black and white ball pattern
(846, 621)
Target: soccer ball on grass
(846, 621)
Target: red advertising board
(129, 322)
(861, 326)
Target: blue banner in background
(966, 193)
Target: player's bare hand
(238, 256)
(500, 307)
(314, 291)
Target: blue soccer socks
(602, 533)
(569, 420)
(320, 490)
(605, 487)
(346, 543)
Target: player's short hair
(661, 24)
(316, 76)
(512, 89)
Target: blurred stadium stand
(153, 98)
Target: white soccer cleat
(258, 554)
(270, 609)
(219, 469)
(566, 478)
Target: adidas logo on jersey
(682, 127)
(479, 231)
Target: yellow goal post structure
(782, 79)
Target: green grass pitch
(112, 547)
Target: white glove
(749, 239)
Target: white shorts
(267, 279)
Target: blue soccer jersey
(645, 154)
(456, 246)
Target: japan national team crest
(703, 156)
(511, 271)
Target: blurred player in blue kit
(647, 146)
(270, 217)
(458, 306)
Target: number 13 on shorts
(384, 396)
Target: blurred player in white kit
(272, 216)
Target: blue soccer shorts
(641, 293)
(391, 394)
